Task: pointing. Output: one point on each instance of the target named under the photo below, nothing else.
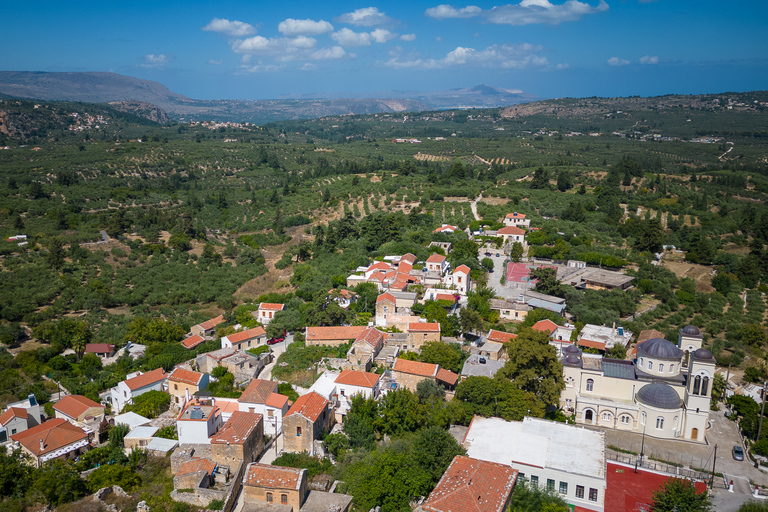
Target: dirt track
(702, 274)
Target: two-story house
(183, 384)
(244, 340)
(309, 417)
(197, 423)
(267, 312)
(135, 384)
(80, 410)
(261, 397)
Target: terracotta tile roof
(447, 376)
(423, 327)
(192, 342)
(408, 258)
(500, 336)
(213, 322)
(378, 276)
(462, 268)
(271, 306)
(236, 431)
(436, 258)
(99, 348)
(445, 296)
(399, 285)
(447, 227)
(380, 265)
(600, 345)
(55, 434)
(258, 391)
(357, 378)
(547, 326)
(195, 465)
(75, 405)
(405, 267)
(310, 406)
(185, 376)
(371, 336)
(471, 485)
(277, 400)
(385, 296)
(334, 333)
(13, 412)
(415, 368)
(515, 215)
(274, 477)
(247, 335)
(343, 292)
(510, 230)
(146, 379)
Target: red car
(274, 341)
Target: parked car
(738, 453)
(497, 255)
(275, 340)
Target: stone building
(309, 417)
(241, 439)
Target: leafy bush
(150, 404)
(113, 474)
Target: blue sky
(261, 50)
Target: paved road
(473, 205)
(278, 349)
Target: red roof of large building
(471, 485)
(357, 378)
(258, 391)
(271, 306)
(275, 477)
(415, 368)
(239, 427)
(185, 376)
(385, 296)
(371, 336)
(277, 400)
(192, 341)
(547, 326)
(436, 258)
(195, 465)
(500, 336)
(462, 268)
(75, 405)
(380, 265)
(510, 230)
(54, 434)
(99, 348)
(247, 335)
(627, 491)
(310, 406)
(13, 412)
(334, 333)
(424, 327)
(213, 322)
(146, 379)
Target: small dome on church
(572, 361)
(572, 350)
(659, 348)
(661, 396)
(691, 330)
(703, 354)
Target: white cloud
(155, 61)
(408, 37)
(292, 27)
(615, 61)
(264, 68)
(347, 37)
(366, 17)
(562, 66)
(334, 52)
(215, 62)
(514, 56)
(439, 39)
(445, 11)
(230, 28)
(308, 67)
(282, 49)
(381, 35)
(649, 59)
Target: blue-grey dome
(691, 330)
(572, 350)
(659, 395)
(659, 348)
(572, 361)
(703, 354)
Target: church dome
(572, 350)
(703, 354)
(659, 348)
(659, 395)
(572, 361)
(691, 330)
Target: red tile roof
(258, 391)
(185, 376)
(271, 306)
(385, 296)
(627, 491)
(239, 427)
(424, 327)
(399, 285)
(247, 335)
(599, 345)
(195, 465)
(192, 342)
(146, 379)
(13, 412)
(510, 230)
(547, 326)
(310, 406)
(500, 336)
(213, 322)
(277, 400)
(447, 227)
(405, 267)
(415, 368)
(445, 296)
(515, 215)
(447, 376)
(436, 258)
(75, 405)
(371, 336)
(274, 477)
(471, 485)
(378, 276)
(334, 333)
(357, 378)
(408, 257)
(462, 268)
(99, 348)
(55, 434)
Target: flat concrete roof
(142, 432)
(537, 442)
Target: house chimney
(213, 401)
(42, 445)
(187, 393)
(614, 328)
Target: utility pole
(714, 461)
(762, 409)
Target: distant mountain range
(98, 87)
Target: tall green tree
(534, 366)
(678, 495)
